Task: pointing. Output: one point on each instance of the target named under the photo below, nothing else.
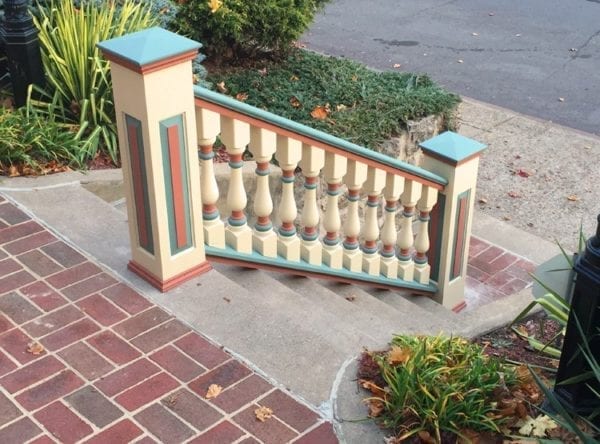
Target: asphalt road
(537, 57)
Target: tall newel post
(154, 102)
(455, 158)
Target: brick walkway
(84, 358)
(494, 273)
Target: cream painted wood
(425, 204)
(144, 97)
(371, 259)
(214, 229)
(409, 198)
(389, 233)
(461, 178)
(262, 144)
(354, 178)
(288, 154)
(235, 135)
(208, 126)
(313, 160)
(334, 170)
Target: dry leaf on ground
(320, 112)
(221, 87)
(263, 413)
(524, 173)
(35, 348)
(536, 427)
(398, 355)
(295, 102)
(573, 198)
(373, 388)
(397, 65)
(213, 391)
(375, 407)
(242, 97)
(514, 194)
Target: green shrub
(31, 138)
(363, 106)
(438, 385)
(233, 29)
(73, 64)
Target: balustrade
(167, 192)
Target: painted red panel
(177, 186)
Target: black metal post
(585, 308)
(22, 48)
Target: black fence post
(22, 48)
(585, 311)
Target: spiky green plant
(440, 384)
(73, 64)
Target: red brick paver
(494, 273)
(85, 358)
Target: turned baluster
(289, 153)
(208, 127)
(389, 234)
(262, 145)
(412, 192)
(354, 178)
(373, 186)
(313, 160)
(335, 168)
(425, 204)
(235, 135)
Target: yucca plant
(553, 303)
(439, 384)
(74, 67)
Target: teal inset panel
(436, 230)
(176, 179)
(460, 234)
(140, 183)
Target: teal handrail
(287, 124)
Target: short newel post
(456, 158)
(154, 102)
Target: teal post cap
(147, 47)
(452, 147)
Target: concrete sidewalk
(277, 334)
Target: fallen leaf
(514, 194)
(517, 35)
(373, 388)
(263, 413)
(474, 34)
(35, 348)
(375, 407)
(491, 14)
(294, 78)
(573, 49)
(13, 171)
(397, 65)
(351, 298)
(573, 198)
(295, 102)
(340, 107)
(561, 99)
(354, 78)
(425, 437)
(263, 72)
(214, 5)
(172, 400)
(398, 355)
(320, 112)
(213, 391)
(524, 173)
(483, 200)
(242, 97)
(507, 218)
(221, 87)
(226, 299)
(460, 61)
(536, 427)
